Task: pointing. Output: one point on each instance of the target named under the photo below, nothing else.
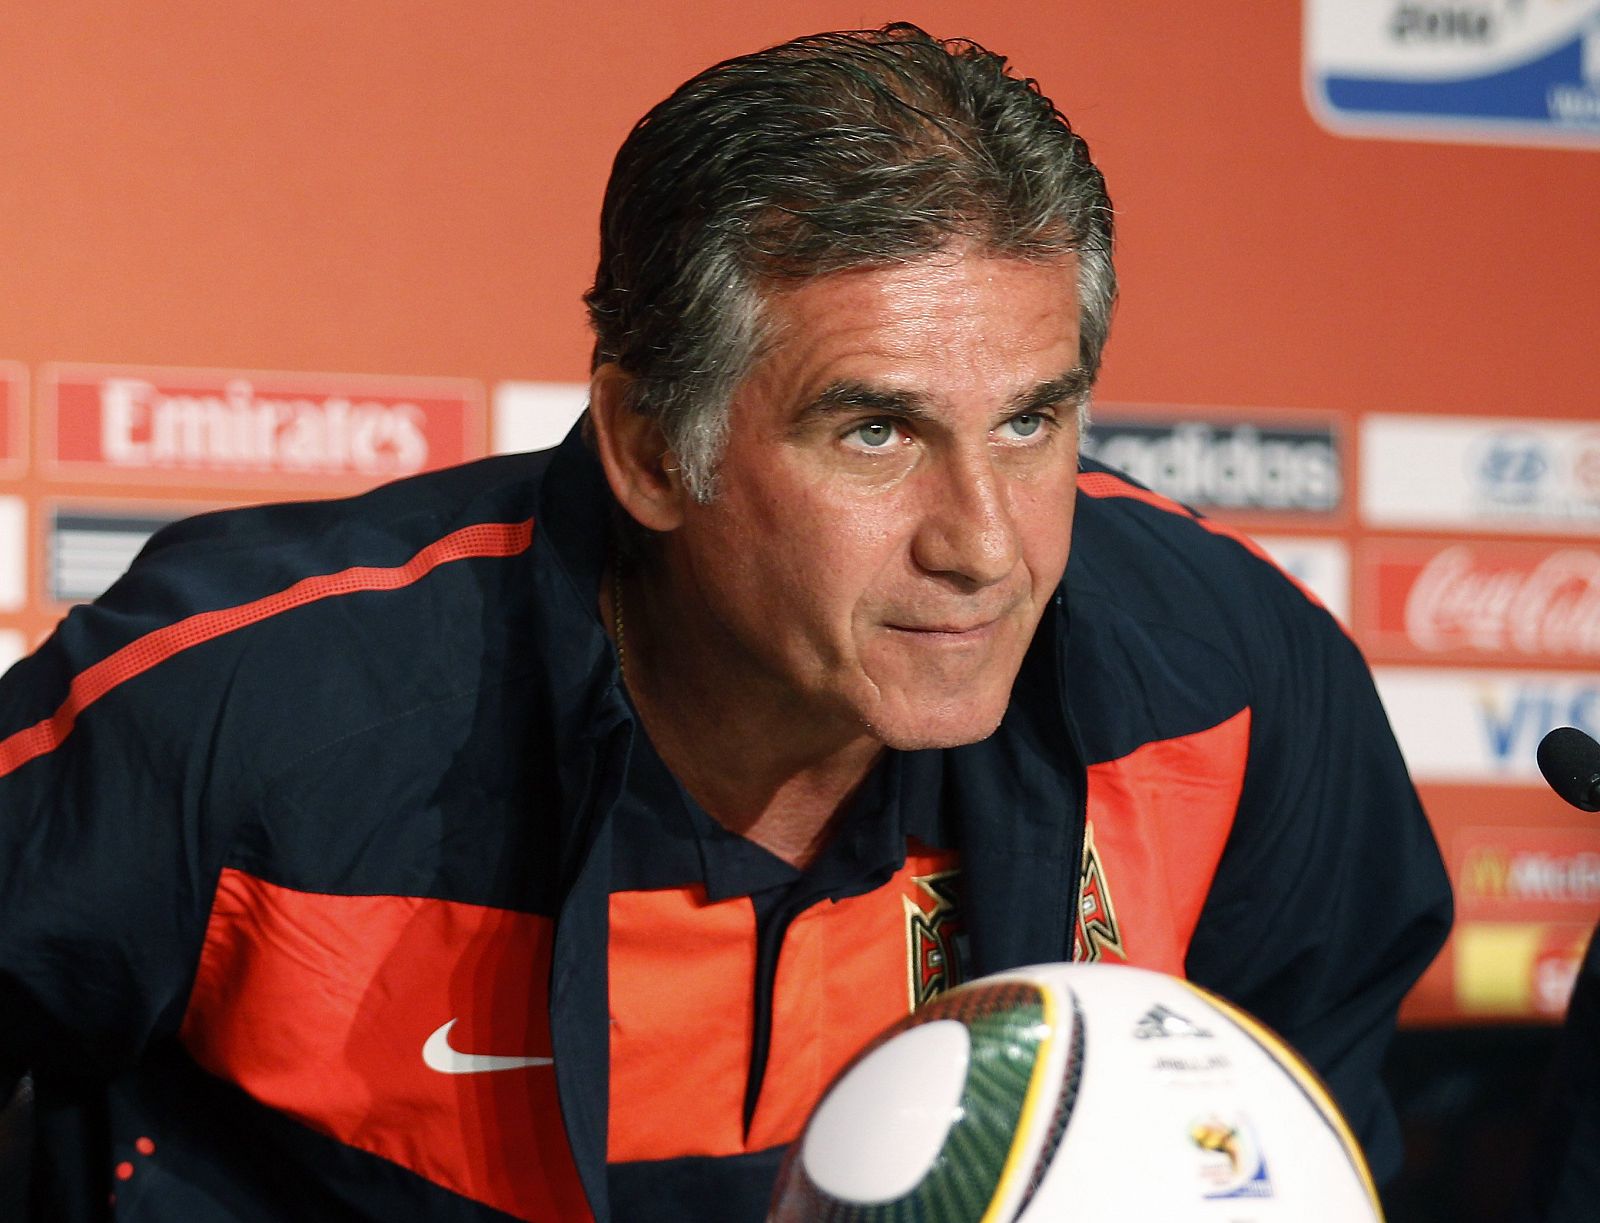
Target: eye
(1025, 424)
(874, 434)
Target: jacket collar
(1017, 800)
(575, 508)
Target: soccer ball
(1076, 1093)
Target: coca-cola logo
(1551, 608)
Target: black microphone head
(1570, 762)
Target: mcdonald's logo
(1485, 873)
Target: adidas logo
(1162, 1021)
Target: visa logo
(1514, 726)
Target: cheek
(824, 539)
(801, 568)
(1047, 535)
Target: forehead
(967, 320)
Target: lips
(947, 630)
(957, 622)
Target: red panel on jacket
(1159, 819)
(319, 1006)
(683, 1002)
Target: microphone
(1570, 762)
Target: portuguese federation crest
(935, 934)
(1097, 930)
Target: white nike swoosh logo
(438, 1055)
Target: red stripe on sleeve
(1260, 553)
(489, 539)
(1102, 484)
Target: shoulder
(302, 683)
(235, 575)
(253, 549)
(1158, 558)
(1139, 555)
(1166, 601)
(293, 623)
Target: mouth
(955, 627)
(951, 632)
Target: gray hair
(835, 151)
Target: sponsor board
(12, 647)
(1481, 601)
(13, 416)
(1497, 71)
(1321, 565)
(1516, 970)
(13, 553)
(535, 415)
(1534, 873)
(90, 548)
(222, 427)
(1483, 473)
(1280, 465)
(1483, 726)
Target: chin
(914, 730)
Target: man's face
(895, 499)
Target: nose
(967, 534)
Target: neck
(727, 733)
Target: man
(536, 839)
(1564, 1177)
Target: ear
(642, 471)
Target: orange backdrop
(358, 196)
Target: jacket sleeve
(1331, 897)
(107, 866)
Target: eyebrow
(841, 398)
(1072, 387)
(846, 396)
